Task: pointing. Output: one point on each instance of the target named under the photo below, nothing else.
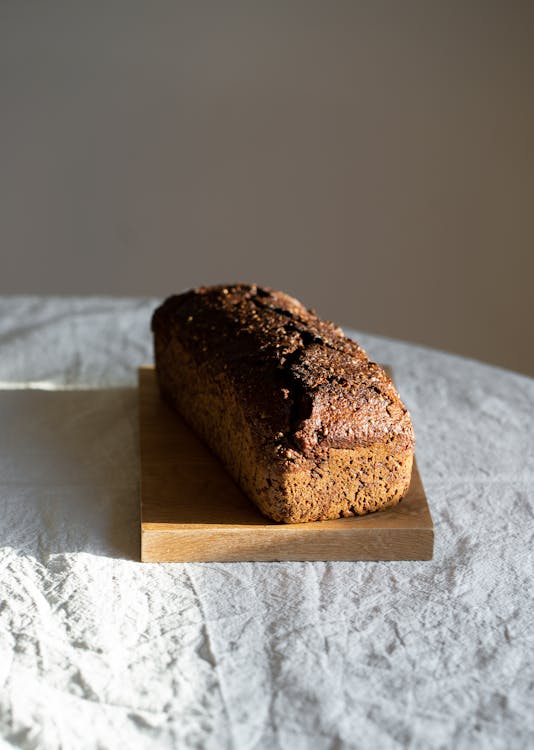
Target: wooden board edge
(197, 546)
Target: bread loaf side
(304, 422)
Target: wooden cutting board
(191, 510)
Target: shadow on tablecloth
(69, 472)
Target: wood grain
(191, 510)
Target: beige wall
(375, 159)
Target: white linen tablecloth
(100, 651)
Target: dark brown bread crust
(304, 421)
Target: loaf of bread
(304, 422)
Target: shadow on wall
(69, 472)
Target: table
(100, 651)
